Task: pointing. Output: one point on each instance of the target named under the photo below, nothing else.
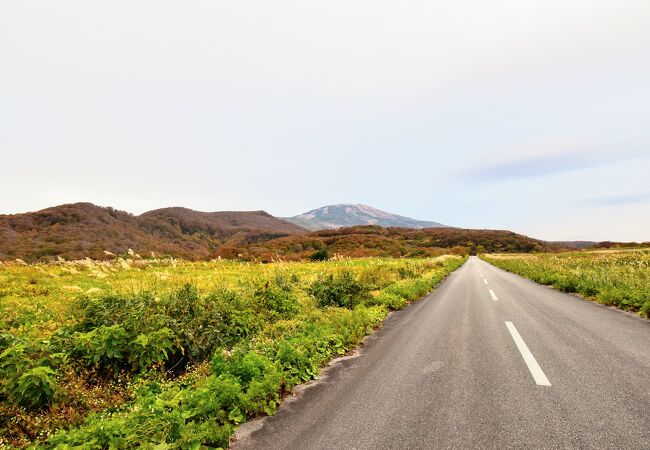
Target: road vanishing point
(489, 360)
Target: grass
(176, 354)
(619, 278)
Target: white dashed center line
(493, 295)
(531, 362)
(484, 281)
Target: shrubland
(175, 354)
(618, 277)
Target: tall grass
(613, 277)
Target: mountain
(82, 230)
(349, 215)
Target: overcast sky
(532, 116)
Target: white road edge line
(494, 297)
(531, 362)
(484, 281)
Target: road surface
(489, 360)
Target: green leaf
(236, 416)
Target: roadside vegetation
(174, 354)
(618, 277)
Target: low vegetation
(175, 354)
(613, 277)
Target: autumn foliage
(83, 230)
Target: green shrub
(280, 301)
(105, 347)
(645, 309)
(410, 270)
(294, 362)
(35, 387)
(377, 278)
(565, 284)
(390, 300)
(151, 349)
(174, 417)
(411, 289)
(342, 289)
(319, 255)
(25, 378)
(257, 374)
(199, 324)
(113, 348)
(13, 361)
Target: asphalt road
(534, 368)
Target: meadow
(617, 277)
(168, 353)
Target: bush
(113, 348)
(390, 300)
(294, 362)
(28, 382)
(104, 347)
(319, 255)
(376, 278)
(35, 387)
(411, 289)
(645, 309)
(149, 349)
(107, 325)
(257, 374)
(342, 289)
(280, 301)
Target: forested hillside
(81, 230)
(377, 241)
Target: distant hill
(577, 245)
(223, 224)
(349, 215)
(394, 242)
(82, 230)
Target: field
(613, 277)
(167, 353)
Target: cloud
(618, 200)
(542, 157)
(535, 166)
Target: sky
(532, 116)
